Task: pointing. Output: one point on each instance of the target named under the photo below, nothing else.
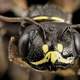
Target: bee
(44, 43)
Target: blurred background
(21, 8)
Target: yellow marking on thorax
(40, 18)
(53, 18)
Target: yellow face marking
(44, 60)
(40, 62)
(45, 48)
(66, 61)
(59, 47)
(53, 56)
(50, 55)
